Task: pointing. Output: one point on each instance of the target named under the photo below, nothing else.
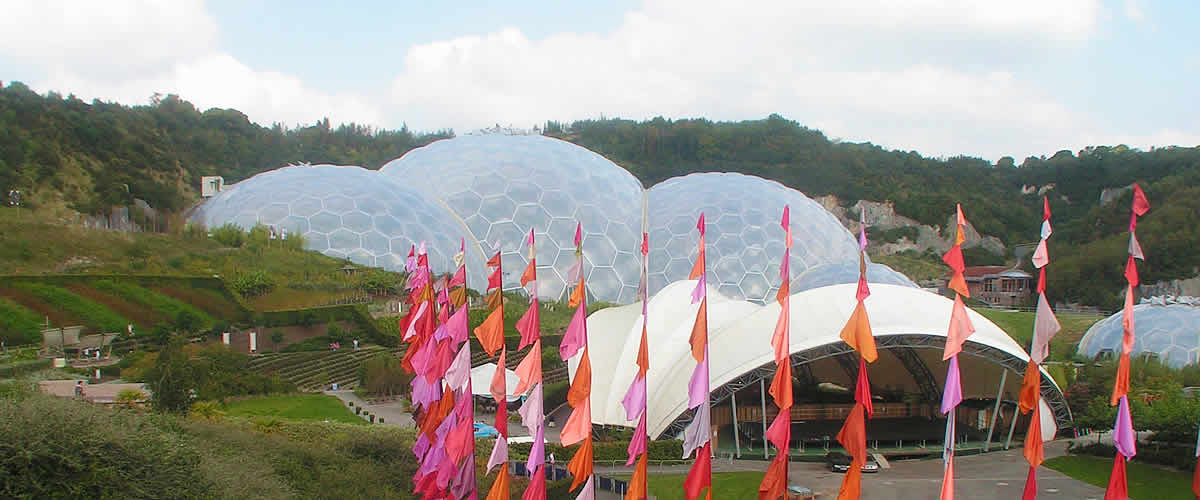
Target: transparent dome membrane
(1170, 332)
(745, 241)
(503, 186)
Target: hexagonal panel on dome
(1170, 331)
(502, 186)
(737, 206)
(344, 212)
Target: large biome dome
(491, 190)
(1170, 331)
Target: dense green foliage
(90, 152)
(1156, 398)
(18, 325)
(98, 155)
(382, 375)
(58, 448)
(214, 372)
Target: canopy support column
(762, 391)
(996, 410)
(737, 440)
(1012, 427)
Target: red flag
(700, 224)
(1118, 488)
(699, 476)
(1030, 485)
(948, 481)
(1140, 204)
(1131, 272)
(645, 243)
(954, 259)
(774, 483)
(1045, 208)
(530, 324)
(862, 391)
(495, 280)
(1196, 480)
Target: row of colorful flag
(439, 355)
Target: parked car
(485, 431)
(840, 462)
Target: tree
(276, 338)
(171, 381)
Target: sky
(943, 78)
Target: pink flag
(645, 243)
(697, 433)
(459, 372)
(960, 329)
(1040, 256)
(529, 371)
(459, 278)
(530, 325)
(578, 234)
(862, 231)
(458, 441)
(573, 339)
(700, 224)
(962, 219)
(1046, 229)
(499, 454)
(635, 399)
(457, 326)
(531, 411)
(699, 292)
(952, 394)
(863, 291)
(579, 424)
(589, 490)
(464, 481)
(637, 445)
(1045, 325)
(779, 433)
(537, 454)
(499, 384)
(698, 384)
(1123, 435)
(787, 226)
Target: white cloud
(126, 51)
(889, 72)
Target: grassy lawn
(725, 485)
(294, 407)
(1145, 482)
(1019, 326)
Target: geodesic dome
(500, 187)
(1169, 331)
(838, 274)
(744, 240)
(344, 212)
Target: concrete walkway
(392, 412)
(997, 475)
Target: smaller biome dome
(501, 186)
(1170, 332)
(744, 239)
(344, 212)
(838, 274)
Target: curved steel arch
(1050, 394)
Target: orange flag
(577, 296)
(852, 482)
(491, 332)
(773, 485)
(781, 386)
(580, 465)
(1033, 439)
(948, 481)
(581, 387)
(499, 489)
(643, 358)
(699, 338)
(857, 333)
(529, 371)
(530, 273)
(1121, 384)
(1030, 387)
(637, 484)
(579, 424)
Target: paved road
(392, 412)
(998, 475)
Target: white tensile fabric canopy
(481, 381)
(739, 341)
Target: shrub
(18, 325)
(252, 283)
(129, 397)
(229, 235)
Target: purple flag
(1123, 435)
(698, 385)
(531, 410)
(635, 399)
(499, 453)
(952, 394)
(697, 432)
(698, 292)
(537, 454)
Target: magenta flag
(1123, 435)
(638, 445)
(464, 481)
(779, 433)
(635, 399)
(952, 394)
(573, 340)
(457, 326)
(698, 385)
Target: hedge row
(19, 325)
(154, 300)
(91, 312)
(16, 368)
(356, 313)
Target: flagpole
(1045, 325)
(956, 336)
(578, 428)
(698, 434)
